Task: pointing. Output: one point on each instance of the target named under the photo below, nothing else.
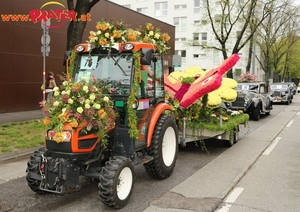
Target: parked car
(252, 98)
(281, 93)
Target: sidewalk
(20, 116)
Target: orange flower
(100, 112)
(103, 115)
(166, 37)
(46, 121)
(116, 34)
(149, 27)
(74, 124)
(103, 41)
(102, 26)
(58, 137)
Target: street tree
(233, 23)
(76, 28)
(276, 38)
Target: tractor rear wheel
(116, 182)
(34, 165)
(163, 148)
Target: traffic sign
(45, 40)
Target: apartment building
(186, 16)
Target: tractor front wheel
(33, 166)
(163, 148)
(116, 182)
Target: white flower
(151, 33)
(87, 106)
(106, 35)
(157, 35)
(56, 93)
(63, 110)
(98, 32)
(55, 104)
(65, 83)
(87, 101)
(97, 106)
(56, 88)
(79, 109)
(213, 115)
(70, 101)
(92, 97)
(106, 99)
(85, 88)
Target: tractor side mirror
(146, 56)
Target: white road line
(272, 146)
(230, 199)
(298, 113)
(290, 123)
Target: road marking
(230, 199)
(272, 146)
(298, 113)
(290, 123)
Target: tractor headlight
(79, 48)
(65, 135)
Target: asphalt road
(200, 180)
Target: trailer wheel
(116, 182)
(163, 148)
(33, 166)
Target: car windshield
(279, 87)
(247, 87)
(112, 71)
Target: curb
(17, 154)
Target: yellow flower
(92, 97)
(106, 35)
(79, 110)
(85, 88)
(70, 101)
(56, 93)
(87, 106)
(55, 104)
(106, 99)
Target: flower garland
(151, 34)
(132, 117)
(108, 33)
(247, 77)
(81, 105)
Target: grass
(21, 135)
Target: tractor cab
(115, 69)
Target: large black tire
(163, 148)
(116, 182)
(33, 165)
(255, 114)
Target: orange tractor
(60, 164)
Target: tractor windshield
(112, 71)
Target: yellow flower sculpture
(226, 92)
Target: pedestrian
(50, 84)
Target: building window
(126, 5)
(196, 6)
(180, 6)
(161, 8)
(204, 38)
(183, 55)
(142, 9)
(216, 57)
(180, 23)
(195, 55)
(196, 39)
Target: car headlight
(283, 93)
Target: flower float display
(247, 77)
(188, 93)
(80, 105)
(197, 96)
